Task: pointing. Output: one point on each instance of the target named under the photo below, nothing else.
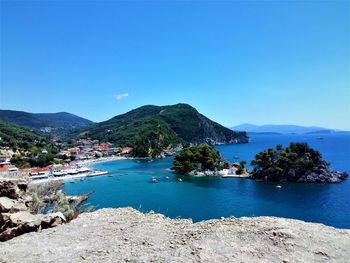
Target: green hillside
(27, 145)
(151, 129)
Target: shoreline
(62, 178)
(86, 163)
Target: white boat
(59, 173)
(83, 169)
(180, 180)
(154, 179)
(39, 176)
(72, 171)
(278, 186)
(96, 173)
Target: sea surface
(129, 184)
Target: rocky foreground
(16, 215)
(126, 235)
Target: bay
(202, 198)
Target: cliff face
(126, 235)
(213, 133)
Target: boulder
(24, 217)
(6, 204)
(19, 223)
(24, 222)
(4, 222)
(19, 206)
(53, 219)
(9, 189)
(9, 233)
(11, 205)
(22, 185)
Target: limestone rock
(11, 205)
(9, 189)
(24, 217)
(53, 219)
(15, 216)
(126, 235)
(6, 204)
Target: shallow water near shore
(129, 184)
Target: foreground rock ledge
(126, 235)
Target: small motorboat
(154, 179)
(167, 177)
(235, 157)
(278, 186)
(180, 180)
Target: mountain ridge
(150, 129)
(53, 124)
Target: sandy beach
(102, 160)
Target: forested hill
(61, 123)
(25, 146)
(151, 129)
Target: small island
(296, 163)
(198, 159)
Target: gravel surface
(126, 235)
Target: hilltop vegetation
(296, 163)
(198, 158)
(152, 129)
(52, 124)
(27, 145)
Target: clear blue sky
(267, 62)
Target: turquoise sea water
(207, 198)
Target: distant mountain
(152, 129)
(280, 129)
(46, 123)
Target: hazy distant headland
(283, 129)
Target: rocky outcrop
(16, 224)
(11, 187)
(15, 213)
(126, 235)
(296, 163)
(213, 133)
(323, 174)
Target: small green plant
(49, 197)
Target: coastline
(90, 162)
(86, 163)
(62, 178)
